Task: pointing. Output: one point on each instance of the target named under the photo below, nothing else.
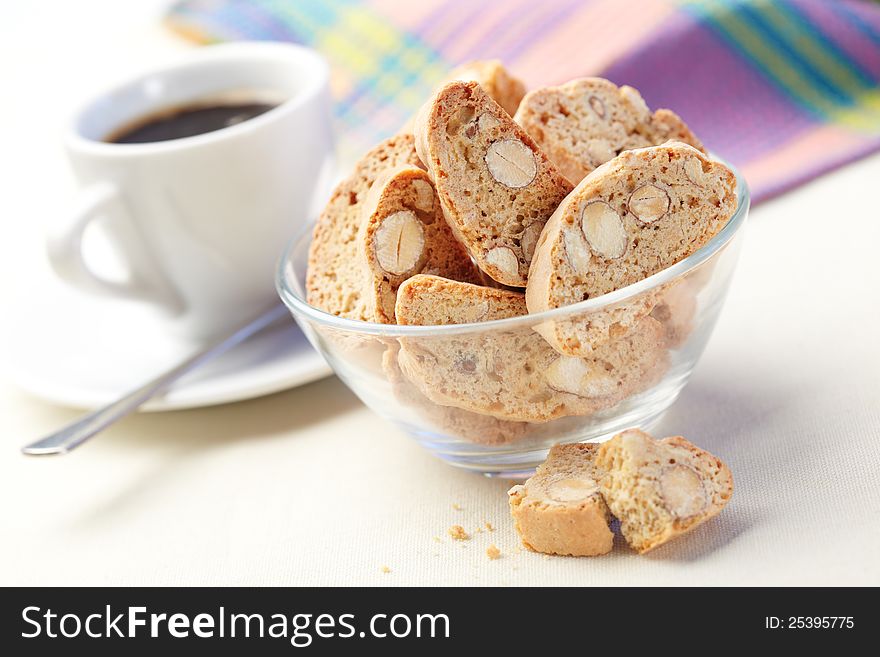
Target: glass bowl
(494, 396)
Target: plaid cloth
(784, 89)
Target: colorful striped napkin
(784, 89)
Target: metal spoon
(76, 433)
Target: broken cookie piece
(660, 489)
(496, 188)
(560, 509)
(586, 122)
(402, 233)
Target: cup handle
(64, 242)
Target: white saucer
(83, 351)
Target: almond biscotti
(560, 509)
(504, 88)
(513, 374)
(433, 301)
(586, 122)
(402, 233)
(676, 311)
(496, 188)
(582, 333)
(640, 213)
(335, 277)
(659, 489)
(472, 427)
(501, 85)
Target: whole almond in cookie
(659, 489)
(335, 280)
(584, 123)
(632, 217)
(496, 188)
(560, 509)
(513, 374)
(403, 233)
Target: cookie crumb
(385, 569)
(456, 506)
(488, 526)
(493, 552)
(458, 533)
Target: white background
(309, 487)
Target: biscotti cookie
(632, 217)
(497, 81)
(497, 189)
(513, 374)
(402, 233)
(503, 87)
(581, 333)
(676, 311)
(432, 301)
(659, 489)
(586, 122)
(335, 277)
(560, 509)
(469, 426)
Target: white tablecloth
(309, 487)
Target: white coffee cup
(199, 222)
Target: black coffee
(186, 121)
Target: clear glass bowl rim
(299, 306)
